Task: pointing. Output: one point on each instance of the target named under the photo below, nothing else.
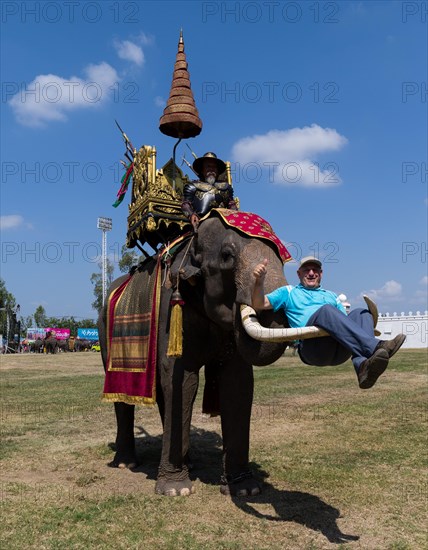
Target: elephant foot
(170, 488)
(122, 465)
(128, 462)
(241, 485)
(127, 465)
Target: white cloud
(390, 290)
(290, 155)
(51, 97)
(130, 52)
(11, 222)
(424, 280)
(145, 39)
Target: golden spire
(180, 118)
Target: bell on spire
(180, 118)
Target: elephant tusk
(254, 329)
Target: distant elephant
(222, 262)
(51, 343)
(62, 345)
(37, 346)
(82, 344)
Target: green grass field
(342, 467)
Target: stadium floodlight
(105, 224)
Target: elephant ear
(195, 255)
(187, 264)
(188, 271)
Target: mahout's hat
(199, 162)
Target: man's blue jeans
(350, 336)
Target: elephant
(37, 346)
(82, 345)
(214, 283)
(51, 343)
(62, 345)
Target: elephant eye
(227, 256)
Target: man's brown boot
(372, 368)
(392, 346)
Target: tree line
(12, 323)
(127, 260)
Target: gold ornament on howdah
(180, 118)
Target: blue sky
(320, 106)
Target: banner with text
(37, 332)
(59, 333)
(87, 333)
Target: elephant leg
(125, 456)
(179, 389)
(211, 399)
(236, 396)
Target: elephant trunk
(256, 351)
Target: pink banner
(60, 333)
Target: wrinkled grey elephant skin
(221, 261)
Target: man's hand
(260, 270)
(258, 298)
(194, 220)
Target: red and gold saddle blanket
(253, 225)
(132, 329)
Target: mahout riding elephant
(220, 261)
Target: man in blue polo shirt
(308, 304)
